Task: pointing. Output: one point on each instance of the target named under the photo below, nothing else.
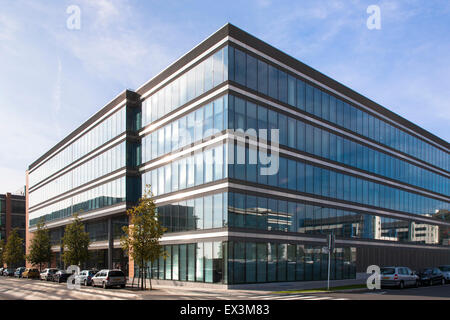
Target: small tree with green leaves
(40, 246)
(141, 237)
(2, 250)
(14, 251)
(75, 243)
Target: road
(24, 289)
(437, 292)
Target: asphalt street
(24, 289)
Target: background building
(346, 165)
(12, 215)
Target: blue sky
(52, 78)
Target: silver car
(109, 278)
(399, 277)
(48, 273)
(85, 277)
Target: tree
(141, 237)
(40, 246)
(14, 252)
(75, 243)
(2, 250)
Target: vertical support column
(61, 251)
(8, 216)
(110, 244)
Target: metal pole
(329, 262)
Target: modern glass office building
(253, 158)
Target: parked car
(108, 278)
(9, 272)
(85, 277)
(19, 271)
(446, 272)
(399, 277)
(431, 276)
(30, 273)
(61, 276)
(48, 273)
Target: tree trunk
(145, 276)
(142, 278)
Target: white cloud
(11, 179)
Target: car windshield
(116, 274)
(445, 268)
(387, 270)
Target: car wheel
(122, 286)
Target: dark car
(431, 276)
(19, 271)
(61, 276)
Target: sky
(53, 78)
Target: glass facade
(105, 195)
(206, 212)
(251, 262)
(289, 89)
(302, 136)
(199, 262)
(200, 79)
(94, 168)
(200, 124)
(203, 167)
(106, 130)
(331, 151)
(299, 175)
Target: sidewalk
(261, 288)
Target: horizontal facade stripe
(297, 197)
(92, 122)
(230, 235)
(215, 93)
(183, 69)
(354, 172)
(88, 186)
(100, 213)
(334, 129)
(337, 203)
(230, 89)
(249, 43)
(95, 153)
(378, 243)
(96, 245)
(337, 130)
(184, 152)
(191, 193)
(229, 137)
(234, 35)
